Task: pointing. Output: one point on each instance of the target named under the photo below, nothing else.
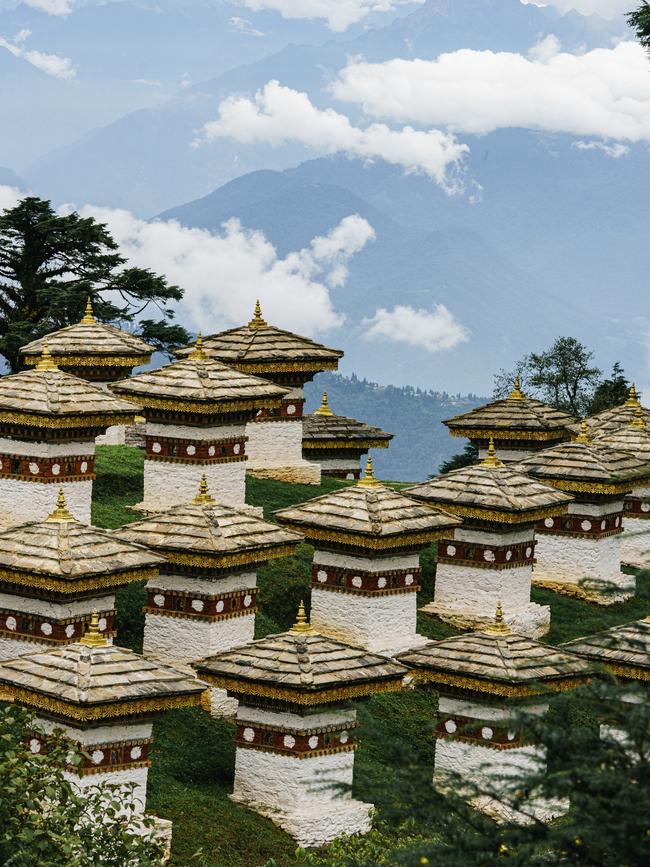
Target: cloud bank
(338, 14)
(603, 93)
(50, 64)
(432, 330)
(277, 115)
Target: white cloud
(222, 274)
(52, 7)
(9, 197)
(614, 150)
(277, 114)
(604, 8)
(432, 330)
(50, 64)
(339, 14)
(243, 25)
(603, 93)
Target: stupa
(488, 682)
(610, 420)
(94, 351)
(580, 554)
(338, 443)
(519, 425)
(491, 556)
(295, 735)
(48, 423)
(204, 600)
(634, 438)
(54, 573)
(288, 360)
(196, 412)
(104, 698)
(366, 567)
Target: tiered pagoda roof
(325, 430)
(63, 556)
(369, 515)
(93, 680)
(46, 397)
(301, 667)
(495, 661)
(491, 491)
(633, 438)
(262, 348)
(610, 420)
(587, 466)
(90, 343)
(623, 650)
(199, 384)
(205, 533)
(517, 417)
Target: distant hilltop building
(275, 436)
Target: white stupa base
(635, 543)
(170, 484)
(22, 502)
(182, 640)
(274, 451)
(219, 704)
(532, 620)
(114, 436)
(339, 468)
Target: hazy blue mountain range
(421, 442)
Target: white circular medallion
(408, 580)
(357, 581)
(197, 604)
(247, 601)
(489, 556)
(56, 469)
(322, 576)
(529, 551)
(344, 737)
(450, 726)
(46, 628)
(511, 736)
(486, 733)
(617, 522)
(97, 757)
(236, 448)
(34, 469)
(156, 447)
(84, 466)
(211, 451)
(219, 606)
(35, 745)
(102, 624)
(159, 599)
(381, 582)
(451, 550)
(69, 630)
(191, 450)
(11, 623)
(249, 735)
(135, 753)
(508, 555)
(548, 522)
(313, 742)
(291, 410)
(289, 741)
(586, 526)
(645, 507)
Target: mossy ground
(193, 760)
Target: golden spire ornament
(499, 627)
(60, 513)
(633, 399)
(203, 496)
(198, 353)
(516, 393)
(46, 362)
(89, 317)
(639, 419)
(368, 480)
(258, 321)
(93, 636)
(324, 408)
(302, 626)
(583, 437)
(491, 459)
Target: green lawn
(193, 760)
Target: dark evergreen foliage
(610, 392)
(466, 458)
(639, 20)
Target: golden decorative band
(495, 515)
(305, 697)
(63, 360)
(259, 555)
(280, 366)
(592, 487)
(508, 433)
(351, 444)
(207, 408)
(75, 586)
(67, 422)
(493, 687)
(375, 543)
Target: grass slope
(193, 760)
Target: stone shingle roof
(323, 427)
(610, 420)
(624, 650)
(302, 666)
(495, 660)
(511, 418)
(367, 510)
(200, 381)
(255, 346)
(491, 489)
(633, 438)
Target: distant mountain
(421, 441)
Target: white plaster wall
(181, 640)
(382, 624)
(189, 584)
(101, 734)
(635, 541)
(13, 647)
(169, 484)
(294, 722)
(57, 610)
(21, 502)
(485, 537)
(116, 778)
(570, 560)
(366, 564)
(477, 591)
(599, 510)
(478, 710)
(192, 432)
(336, 464)
(46, 450)
(115, 436)
(274, 444)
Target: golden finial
(89, 318)
(499, 627)
(93, 637)
(258, 321)
(583, 437)
(302, 626)
(46, 362)
(203, 495)
(639, 419)
(368, 480)
(198, 353)
(60, 514)
(516, 393)
(324, 408)
(633, 399)
(491, 459)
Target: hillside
(193, 758)
(421, 441)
